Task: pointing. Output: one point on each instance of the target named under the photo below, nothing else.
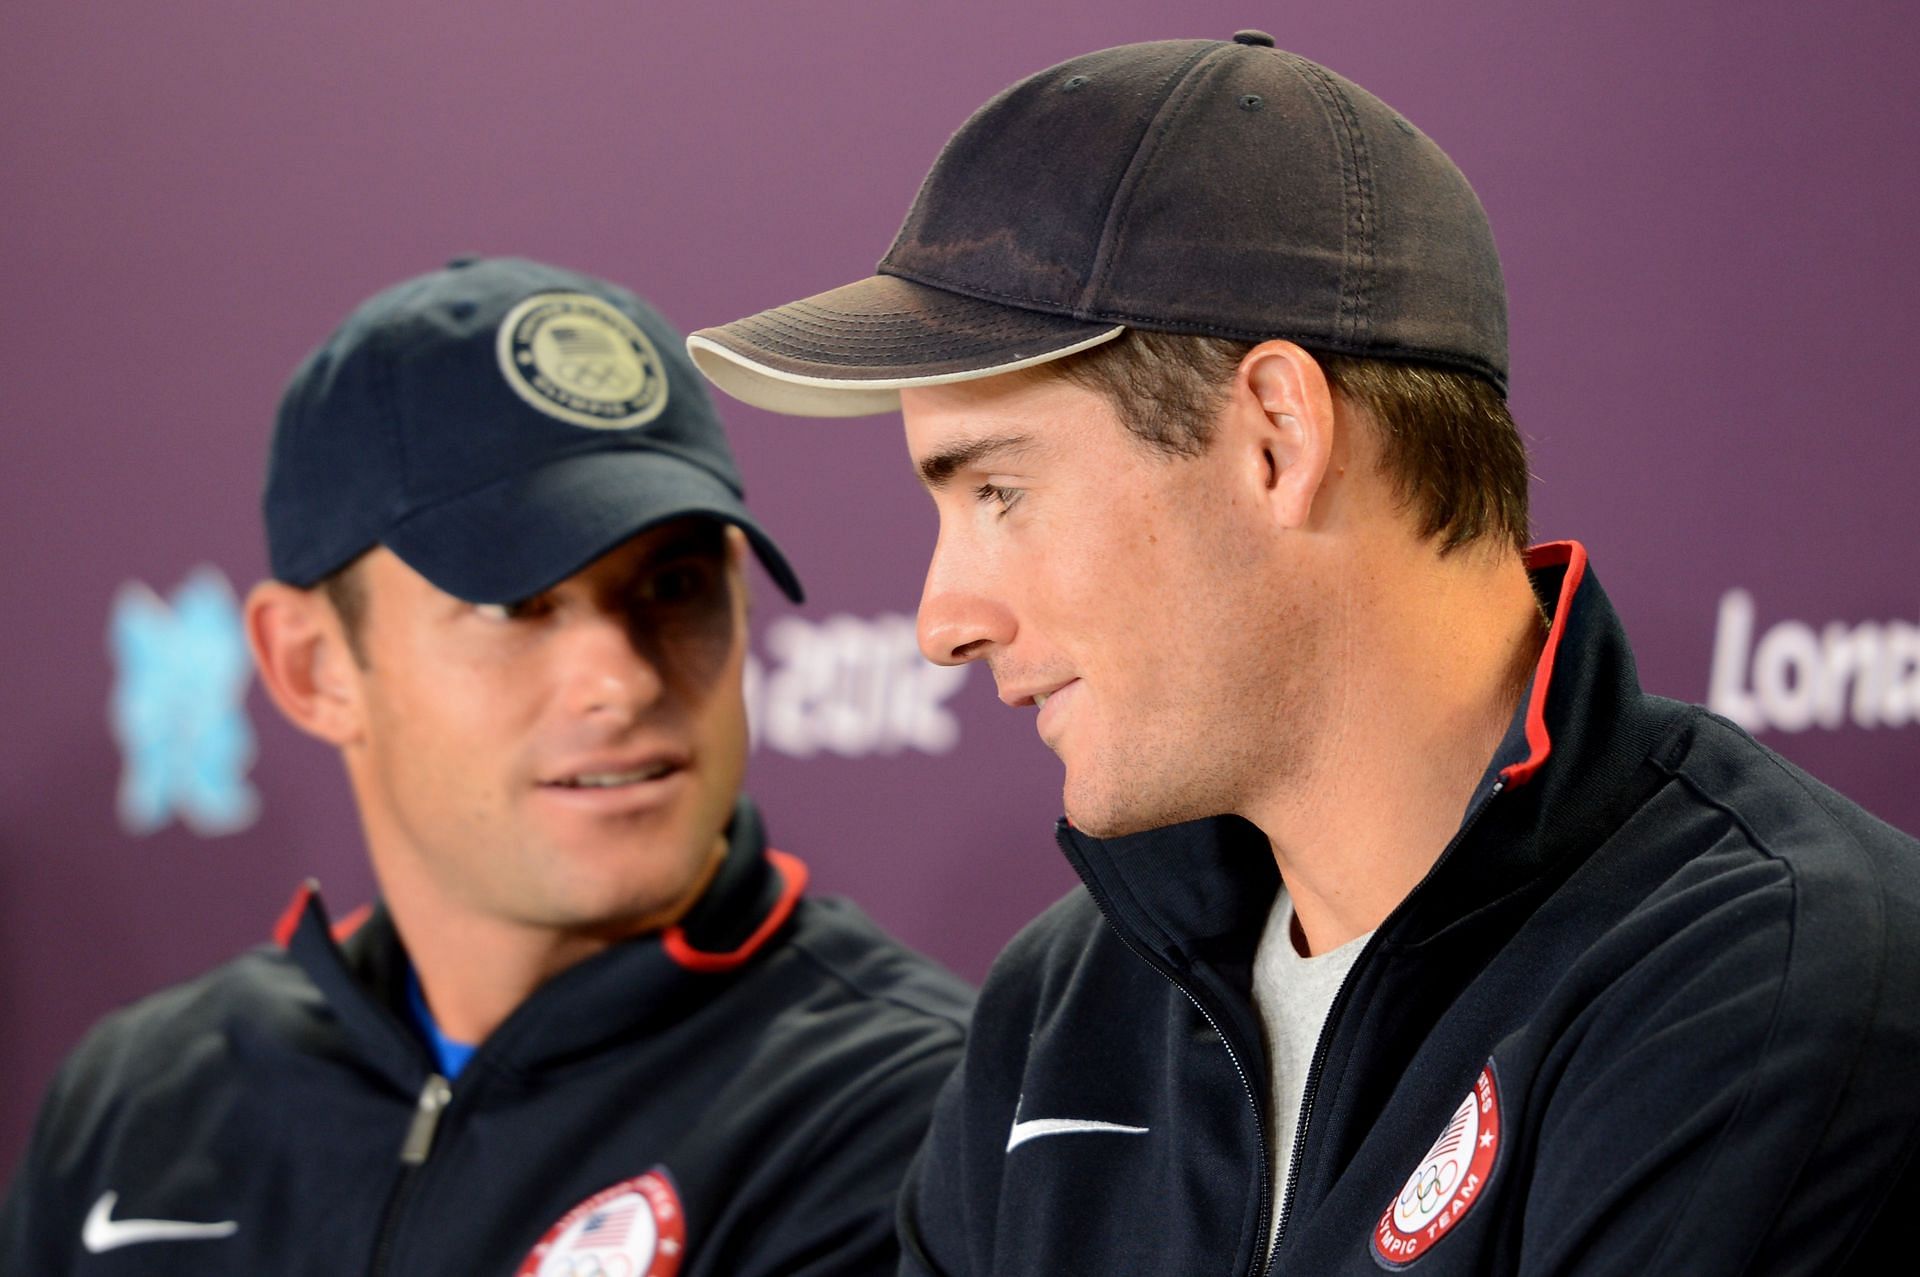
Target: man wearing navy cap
(594, 1025)
(1414, 934)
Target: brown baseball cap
(1223, 188)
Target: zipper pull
(426, 1116)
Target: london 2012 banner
(1700, 209)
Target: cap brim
(512, 539)
(851, 351)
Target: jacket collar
(1202, 889)
(1590, 733)
(360, 966)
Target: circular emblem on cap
(1449, 1180)
(581, 361)
(633, 1229)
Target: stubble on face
(467, 716)
(1149, 579)
(1226, 694)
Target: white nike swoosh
(103, 1232)
(1034, 1128)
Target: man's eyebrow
(936, 468)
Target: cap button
(463, 261)
(1258, 38)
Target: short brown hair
(1447, 440)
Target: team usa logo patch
(634, 1229)
(1449, 1180)
(580, 360)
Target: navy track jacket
(1655, 1010)
(738, 1095)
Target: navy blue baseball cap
(499, 425)
(1220, 188)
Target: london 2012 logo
(1449, 1180)
(633, 1229)
(582, 361)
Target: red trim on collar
(1550, 554)
(297, 908)
(290, 918)
(793, 872)
(355, 919)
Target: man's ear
(305, 661)
(737, 551)
(1285, 395)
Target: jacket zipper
(1246, 1084)
(414, 1151)
(1333, 1011)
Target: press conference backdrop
(1706, 212)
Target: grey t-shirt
(1293, 995)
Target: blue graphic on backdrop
(178, 707)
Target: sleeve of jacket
(1740, 1100)
(950, 1205)
(29, 1242)
(20, 1250)
(933, 1204)
(837, 1218)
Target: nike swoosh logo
(103, 1232)
(1035, 1127)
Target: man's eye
(678, 583)
(1005, 498)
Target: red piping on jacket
(296, 909)
(345, 928)
(1550, 554)
(793, 872)
(290, 918)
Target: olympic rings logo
(1429, 1186)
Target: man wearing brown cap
(1414, 934)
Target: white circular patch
(1449, 1180)
(633, 1229)
(1430, 1188)
(581, 361)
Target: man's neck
(1429, 677)
(477, 963)
(475, 972)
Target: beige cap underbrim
(850, 352)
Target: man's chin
(611, 916)
(1105, 815)
(1116, 806)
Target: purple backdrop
(1705, 210)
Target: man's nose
(961, 616)
(610, 671)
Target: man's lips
(616, 787)
(613, 772)
(1030, 693)
(1054, 706)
